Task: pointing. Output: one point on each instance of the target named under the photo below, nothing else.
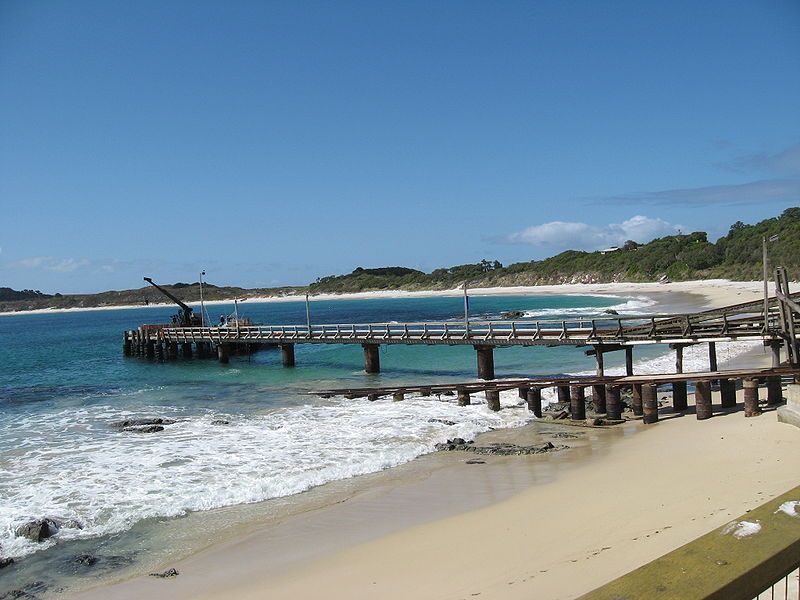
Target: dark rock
(220, 422)
(38, 530)
(500, 449)
(459, 441)
(512, 314)
(165, 574)
(6, 562)
(30, 591)
(475, 461)
(141, 422)
(561, 415)
(566, 435)
(143, 429)
(610, 311)
(442, 421)
(87, 560)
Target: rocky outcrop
(38, 530)
(498, 448)
(146, 425)
(165, 574)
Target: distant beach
(715, 292)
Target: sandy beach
(544, 526)
(550, 526)
(715, 292)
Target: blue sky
(273, 143)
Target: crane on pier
(186, 316)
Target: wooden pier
(740, 322)
(606, 391)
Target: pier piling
(727, 393)
(774, 390)
(650, 403)
(613, 402)
(485, 361)
(372, 358)
(398, 396)
(534, 399)
(563, 394)
(186, 349)
(599, 398)
(127, 348)
(287, 355)
(222, 353)
(493, 399)
(702, 400)
(577, 403)
(463, 397)
(636, 400)
(751, 398)
(679, 399)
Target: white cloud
(51, 263)
(583, 236)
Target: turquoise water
(64, 381)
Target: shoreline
(410, 490)
(712, 290)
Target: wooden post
(636, 400)
(702, 400)
(463, 397)
(629, 360)
(287, 355)
(577, 403)
(493, 399)
(712, 356)
(126, 345)
(372, 358)
(222, 353)
(751, 398)
(372, 397)
(774, 390)
(679, 358)
(535, 401)
(398, 396)
(598, 355)
(613, 403)
(650, 403)
(485, 361)
(523, 392)
(172, 350)
(186, 348)
(679, 401)
(727, 393)
(150, 348)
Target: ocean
(244, 432)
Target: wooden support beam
(398, 396)
(712, 356)
(727, 392)
(186, 349)
(774, 390)
(629, 360)
(463, 397)
(679, 400)
(679, 358)
(127, 347)
(563, 394)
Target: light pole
(202, 305)
(308, 316)
(466, 308)
(764, 240)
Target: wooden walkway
(740, 322)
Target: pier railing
(635, 329)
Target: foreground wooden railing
(722, 565)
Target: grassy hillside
(679, 257)
(735, 256)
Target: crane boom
(185, 316)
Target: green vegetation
(735, 256)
